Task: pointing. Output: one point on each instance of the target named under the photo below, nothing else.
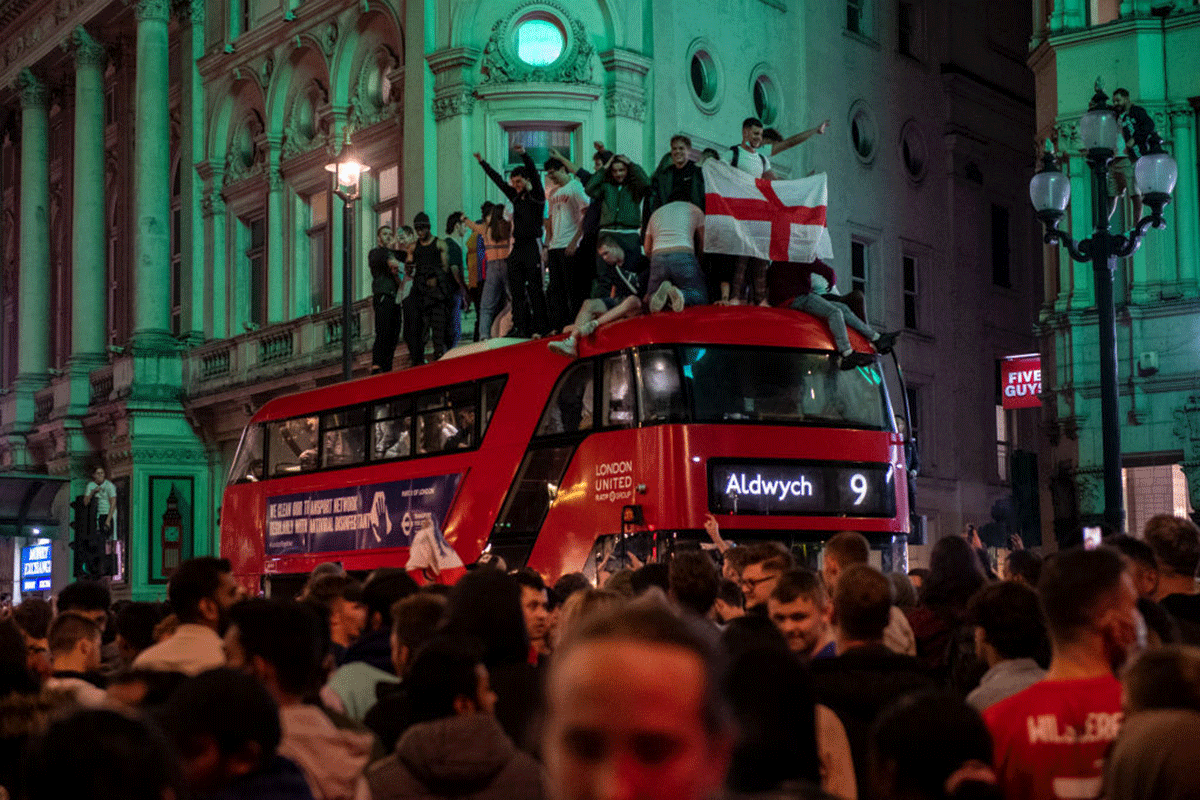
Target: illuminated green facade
(1151, 50)
(168, 211)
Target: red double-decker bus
(741, 412)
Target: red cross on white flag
(771, 220)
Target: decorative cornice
(152, 10)
(32, 90)
(451, 57)
(618, 59)
(87, 51)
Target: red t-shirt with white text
(1050, 740)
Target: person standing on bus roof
(622, 284)
(524, 191)
(432, 282)
(385, 265)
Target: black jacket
(860, 683)
(529, 206)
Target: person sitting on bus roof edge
(820, 279)
(621, 284)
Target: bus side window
(617, 393)
(343, 437)
(391, 435)
(248, 463)
(292, 446)
(491, 398)
(570, 406)
(449, 422)
(661, 395)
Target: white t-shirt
(567, 204)
(751, 162)
(674, 225)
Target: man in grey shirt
(1009, 637)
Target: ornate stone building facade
(172, 247)
(1149, 49)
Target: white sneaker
(564, 347)
(588, 328)
(675, 295)
(660, 297)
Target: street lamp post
(347, 171)
(1050, 191)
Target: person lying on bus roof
(620, 286)
(812, 282)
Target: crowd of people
(726, 671)
(571, 249)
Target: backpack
(737, 149)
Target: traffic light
(91, 559)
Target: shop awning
(25, 501)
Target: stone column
(1185, 200)
(212, 207)
(191, 149)
(152, 181)
(625, 101)
(33, 309)
(89, 244)
(276, 287)
(453, 104)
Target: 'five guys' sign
(1021, 381)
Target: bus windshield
(782, 387)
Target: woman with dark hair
(932, 747)
(787, 745)
(945, 643)
(486, 604)
(496, 231)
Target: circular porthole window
(913, 152)
(864, 133)
(540, 40)
(704, 76)
(766, 99)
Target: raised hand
(478, 158)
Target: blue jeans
(495, 284)
(683, 271)
(837, 316)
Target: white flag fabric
(771, 220)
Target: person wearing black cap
(524, 191)
(431, 281)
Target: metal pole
(347, 252)
(1103, 265)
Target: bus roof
(718, 325)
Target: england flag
(771, 220)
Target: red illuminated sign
(1021, 381)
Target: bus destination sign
(804, 488)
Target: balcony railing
(276, 351)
